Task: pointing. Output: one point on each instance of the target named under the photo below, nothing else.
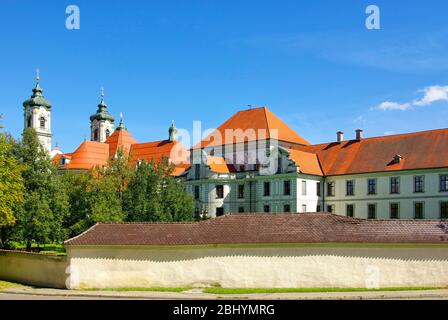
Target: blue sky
(312, 62)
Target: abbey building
(254, 163)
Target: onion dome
(102, 113)
(37, 99)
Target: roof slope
(420, 150)
(88, 155)
(267, 228)
(155, 151)
(260, 124)
(306, 162)
(120, 139)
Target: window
(267, 189)
(350, 210)
(219, 191)
(304, 208)
(95, 135)
(219, 212)
(330, 189)
(267, 209)
(394, 185)
(303, 188)
(371, 211)
(196, 192)
(286, 208)
(287, 187)
(318, 208)
(395, 211)
(444, 210)
(197, 171)
(241, 209)
(350, 186)
(241, 191)
(371, 186)
(419, 210)
(42, 122)
(318, 189)
(29, 122)
(419, 184)
(444, 183)
(330, 209)
(107, 133)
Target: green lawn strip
(156, 289)
(5, 285)
(53, 249)
(306, 290)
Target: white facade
(100, 130)
(431, 197)
(253, 190)
(309, 193)
(39, 118)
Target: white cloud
(389, 105)
(389, 133)
(432, 94)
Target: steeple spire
(121, 125)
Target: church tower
(37, 115)
(172, 132)
(102, 122)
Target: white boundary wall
(251, 267)
(33, 269)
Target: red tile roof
(260, 121)
(420, 150)
(307, 163)
(265, 229)
(219, 165)
(88, 155)
(157, 150)
(120, 139)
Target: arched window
(29, 122)
(95, 135)
(42, 122)
(107, 133)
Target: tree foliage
(40, 217)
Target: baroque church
(254, 162)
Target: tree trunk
(28, 245)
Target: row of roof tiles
(267, 229)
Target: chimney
(340, 136)
(359, 134)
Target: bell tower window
(107, 133)
(29, 122)
(95, 135)
(42, 122)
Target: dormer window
(397, 158)
(42, 122)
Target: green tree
(40, 218)
(11, 187)
(77, 187)
(154, 195)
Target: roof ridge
(384, 136)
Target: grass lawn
(303, 290)
(5, 285)
(55, 249)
